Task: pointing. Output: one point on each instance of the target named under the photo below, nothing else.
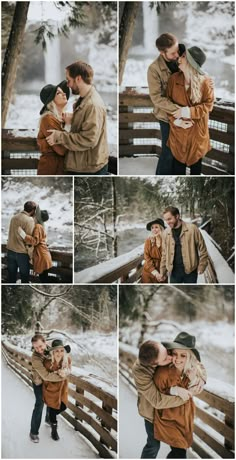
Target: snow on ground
(58, 203)
(17, 406)
(137, 166)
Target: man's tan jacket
(193, 248)
(15, 242)
(158, 76)
(40, 373)
(149, 397)
(87, 140)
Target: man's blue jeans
(152, 445)
(166, 160)
(182, 277)
(17, 260)
(102, 172)
(38, 409)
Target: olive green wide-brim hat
(57, 343)
(196, 58)
(41, 216)
(183, 341)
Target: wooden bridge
(213, 435)
(61, 271)
(91, 410)
(140, 132)
(20, 153)
(127, 268)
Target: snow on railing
(214, 422)
(92, 410)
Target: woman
(152, 253)
(55, 394)
(41, 257)
(174, 426)
(54, 98)
(189, 139)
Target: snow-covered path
(17, 406)
(132, 435)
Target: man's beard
(75, 91)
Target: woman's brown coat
(42, 259)
(173, 426)
(54, 393)
(51, 161)
(152, 257)
(189, 145)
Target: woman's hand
(183, 112)
(21, 232)
(62, 373)
(51, 137)
(67, 117)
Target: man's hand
(200, 271)
(51, 138)
(184, 394)
(183, 112)
(211, 82)
(62, 373)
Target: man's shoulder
(157, 64)
(139, 369)
(95, 99)
(23, 216)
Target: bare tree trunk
(12, 54)
(114, 217)
(127, 24)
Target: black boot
(54, 433)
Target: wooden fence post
(78, 404)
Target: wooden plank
(221, 136)
(213, 443)
(216, 424)
(114, 275)
(129, 150)
(110, 441)
(139, 133)
(216, 401)
(139, 117)
(103, 451)
(135, 101)
(199, 449)
(96, 391)
(222, 115)
(19, 163)
(83, 401)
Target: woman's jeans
(38, 409)
(165, 162)
(152, 445)
(54, 412)
(176, 452)
(179, 169)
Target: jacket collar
(162, 64)
(85, 98)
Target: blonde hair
(196, 81)
(157, 238)
(64, 363)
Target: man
(39, 373)
(184, 253)
(158, 75)
(87, 141)
(17, 255)
(151, 355)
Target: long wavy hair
(196, 81)
(52, 109)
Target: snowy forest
(207, 24)
(111, 213)
(50, 36)
(51, 193)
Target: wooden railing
(220, 160)
(61, 272)
(15, 142)
(93, 409)
(204, 438)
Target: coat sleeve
(202, 250)
(34, 240)
(206, 106)
(89, 133)
(161, 380)
(146, 387)
(155, 91)
(49, 122)
(37, 364)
